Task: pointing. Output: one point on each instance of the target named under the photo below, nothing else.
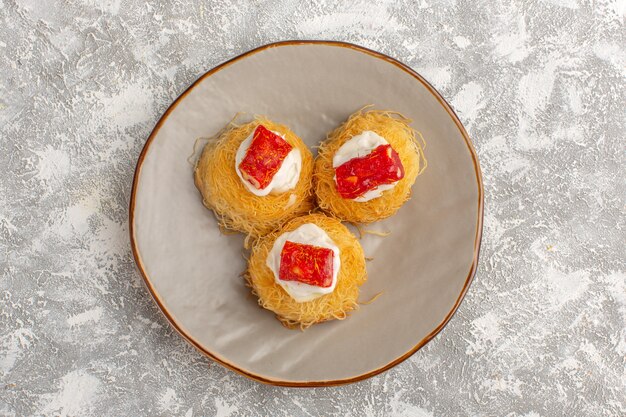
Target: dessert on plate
(366, 167)
(308, 271)
(259, 178)
(255, 176)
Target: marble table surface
(541, 88)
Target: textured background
(541, 87)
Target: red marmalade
(308, 264)
(360, 175)
(264, 157)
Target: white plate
(424, 267)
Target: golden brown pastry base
(396, 130)
(235, 207)
(336, 305)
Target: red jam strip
(264, 157)
(360, 175)
(308, 264)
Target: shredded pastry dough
(396, 130)
(234, 206)
(336, 305)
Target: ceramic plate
(424, 267)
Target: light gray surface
(541, 89)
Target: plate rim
(320, 383)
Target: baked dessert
(308, 271)
(255, 176)
(366, 167)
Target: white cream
(307, 234)
(285, 178)
(358, 146)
